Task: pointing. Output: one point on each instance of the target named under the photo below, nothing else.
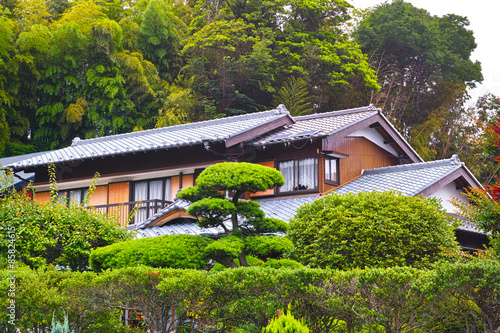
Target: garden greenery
(217, 198)
(458, 297)
(175, 251)
(54, 232)
(370, 229)
(190, 251)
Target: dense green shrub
(450, 297)
(152, 292)
(370, 230)
(282, 263)
(45, 294)
(473, 290)
(267, 246)
(175, 251)
(53, 233)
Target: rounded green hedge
(175, 251)
(370, 229)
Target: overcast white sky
(484, 17)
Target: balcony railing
(144, 210)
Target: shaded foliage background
(92, 68)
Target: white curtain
(155, 192)
(75, 196)
(141, 193)
(330, 169)
(307, 174)
(286, 169)
(168, 190)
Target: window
(75, 195)
(300, 175)
(78, 195)
(157, 189)
(331, 170)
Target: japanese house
(343, 151)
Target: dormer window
(299, 174)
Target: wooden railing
(143, 210)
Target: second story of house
(316, 154)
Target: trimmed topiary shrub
(370, 230)
(286, 323)
(268, 246)
(174, 251)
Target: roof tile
(174, 136)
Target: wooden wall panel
(174, 185)
(270, 191)
(321, 174)
(100, 196)
(187, 180)
(42, 197)
(363, 154)
(120, 193)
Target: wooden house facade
(316, 154)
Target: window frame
(163, 179)
(66, 195)
(296, 175)
(336, 160)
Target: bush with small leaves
(286, 323)
(174, 251)
(370, 229)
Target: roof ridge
(413, 166)
(181, 126)
(370, 107)
(295, 197)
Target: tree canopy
(91, 68)
(217, 198)
(423, 67)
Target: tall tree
(419, 60)
(228, 63)
(160, 38)
(303, 39)
(6, 86)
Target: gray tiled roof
(316, 125)
(159, 138)
(409, 179)
(18, 182)
(284, 208)
(184, 228)
(177, 204)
